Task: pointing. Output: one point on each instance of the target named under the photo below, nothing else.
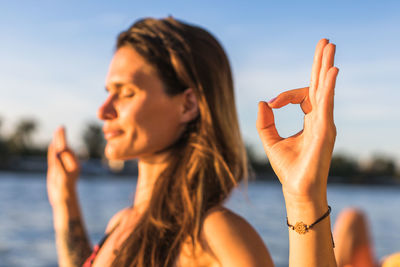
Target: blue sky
(54, 57)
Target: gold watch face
(300, 228)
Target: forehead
(127, 66)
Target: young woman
(171, 105)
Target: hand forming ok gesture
(302, 161)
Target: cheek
(158, 123)
(133, 122)
(150, 125)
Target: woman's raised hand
(302, 161)
(63, 169)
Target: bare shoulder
(116, 218)
(233, 240)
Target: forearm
(73, 245)
(315, 247)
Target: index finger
(295, 96)
(316, 68)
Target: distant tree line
(19, 144)
(343, 169)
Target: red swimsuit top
(89, 261)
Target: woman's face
(140, 119)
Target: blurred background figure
(354, 245)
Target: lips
(112, 133)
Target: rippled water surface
(27, 236)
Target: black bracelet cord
(302, 228)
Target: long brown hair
(208, 161)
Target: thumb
(266, 125)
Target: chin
(112, 154)
(116, 154)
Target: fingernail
(272, 100)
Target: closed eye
(126, 92)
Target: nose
(107, 110)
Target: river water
(27, 236)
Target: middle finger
(327, 63)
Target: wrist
(66, 203)
(63, 197)
(64, 212)
(302, 228)
(305, 210)
(313, 196)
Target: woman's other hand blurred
(63, 169)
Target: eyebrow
(118, 86)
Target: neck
(149, 170)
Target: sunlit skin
(302, 161)
(141, 121)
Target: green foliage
(260, 166)
(93, 140)
(381, 166)
(342, 165)
(4, 150)
(21, 141)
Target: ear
(190, 108)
